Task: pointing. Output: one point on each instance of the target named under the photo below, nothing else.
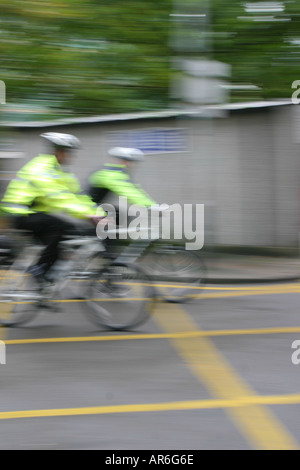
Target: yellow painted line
(121, 299)
(251, 331)
(244, 293)
(220, 295)
(130, 337)
(239, 402)
(85, 339)
(235, 293)
(258, 424)
(265, 287)
(258, 287)
(271, 288)
(200, 296)
(232, 292)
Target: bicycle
(117, 295)
(179, 274)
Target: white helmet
(62, 140)
(124, 153)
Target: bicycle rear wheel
(119, 297)
(181, 274)
(19, 297)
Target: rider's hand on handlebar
(96, 219)
(105, 220)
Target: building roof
(205, 111)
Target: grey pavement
(149, 367)
(248, 268)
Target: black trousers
(49, 230)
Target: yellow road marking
(195, 296)
(120, 299)
(180, 285)
(257, 287)
(257, 423)
(242, 293)
(241, 402)
(187, 334)
(233, 292)
(266, 287)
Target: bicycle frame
(110, 302)
(82, 249)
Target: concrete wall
(245, 168)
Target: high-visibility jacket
(42, 186)
(114, 178)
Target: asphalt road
(214, 374)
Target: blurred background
(204, 87)
(209, 90)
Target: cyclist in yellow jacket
(40, 191)
(115, 178)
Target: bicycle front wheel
(19, 297)
(120, 297)
(179, 274)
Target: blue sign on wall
(151, 140)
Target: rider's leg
(49, 230)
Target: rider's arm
(119, 183)
(56, 194)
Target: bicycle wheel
(181, 274)
(119, 297)
(19, 298)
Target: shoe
(38, 272)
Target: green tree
(86, 56)
(96, 56)
(261, 46)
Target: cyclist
(41, 191)
(114, 178)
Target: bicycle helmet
(59, 140)
(124, 153)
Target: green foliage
(98, 56)
(260, 46)
(90, 57)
